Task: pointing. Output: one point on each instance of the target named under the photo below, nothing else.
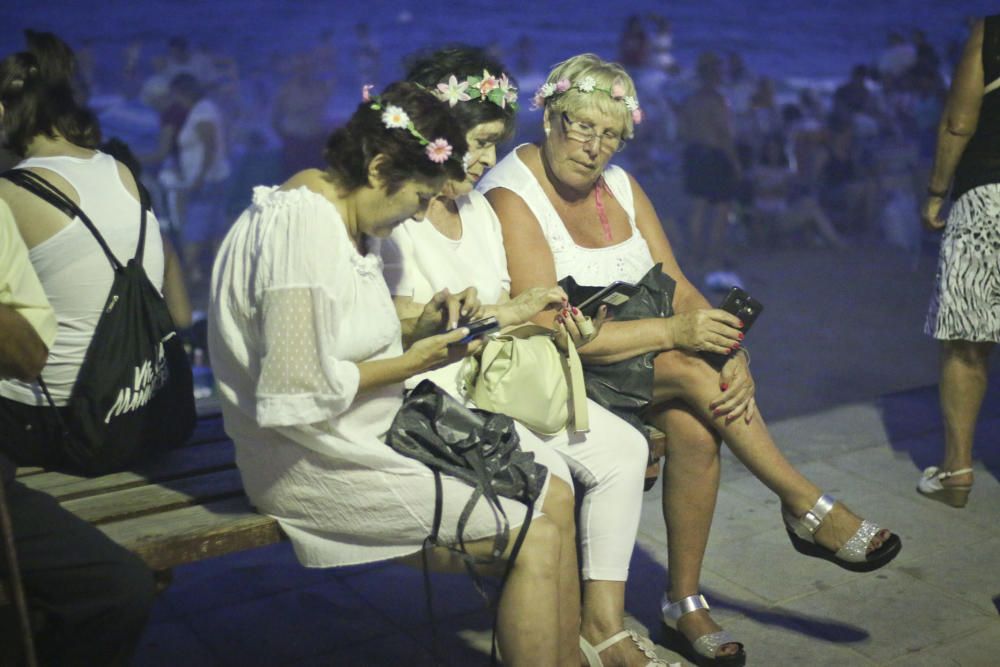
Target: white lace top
(628, 260)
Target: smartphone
(743, 306)
(482, 327)
(611, 296)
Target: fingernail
(725, 386)
(736, 346)
(740, 335)
(576, 311)
(717, 412)
(741, 324)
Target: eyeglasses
(585, 133)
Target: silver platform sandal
(702, 651)
(854, 554)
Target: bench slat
(177, 463)
(185, 535)
(152, 498)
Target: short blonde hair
(606, 75)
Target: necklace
(601, 213)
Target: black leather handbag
(626, 387)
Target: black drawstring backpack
(133, 396)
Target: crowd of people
(349, 279)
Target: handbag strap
(574, 373)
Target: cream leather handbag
(521, 373)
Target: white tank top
(75, 272)
(628, 260)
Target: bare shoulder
(315, 180)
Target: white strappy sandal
(853, 555)
(702, 651)
(930, 486)
(593, 653)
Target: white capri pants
(609, 462)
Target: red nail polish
(725, 386)
(736, 346)
(740, 335)
(576, 311)
(741, 324)
(717, 412)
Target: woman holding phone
(565, 211)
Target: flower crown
(490, 88)
(587, 84)
(394, 118)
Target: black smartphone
(482, 327)
(611, 296)
(743, 306)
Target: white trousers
(609, 463)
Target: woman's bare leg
(690, 488)
(964, 375)
(688, 377)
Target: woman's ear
(375, 178)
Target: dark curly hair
(36, 90)
(351, 148)
(429, 68)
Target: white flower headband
(587, 84)
(394, 118)
(497, 90)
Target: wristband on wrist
(931, 192)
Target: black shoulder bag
(133, 396)
(478, 447)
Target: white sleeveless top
(419, 261)
(628, 260)
(75, 272)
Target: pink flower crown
(485, 88)
(394, 118)
(587, 84)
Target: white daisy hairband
(587, 84)
(486, 88)
(394, 118)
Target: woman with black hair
(310, 359)
(459, 244)
(95, 594)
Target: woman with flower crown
(458, 244)
(310, 359)
(565, 211)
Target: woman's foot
(832, 532)
(692, 633)
(950, 487)
(622, 649)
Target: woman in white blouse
(310, 360)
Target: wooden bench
(183, 507)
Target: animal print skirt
(966, 300)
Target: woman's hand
(529, 303)
(573, 325)
(439, 350)
(445, 311)
(931, 214)
(737, 398)
(704, 330)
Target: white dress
(294, 308)
(608, 462)
(629, 260)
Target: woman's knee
(969, 353)
(677, 369)
(540, 551)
